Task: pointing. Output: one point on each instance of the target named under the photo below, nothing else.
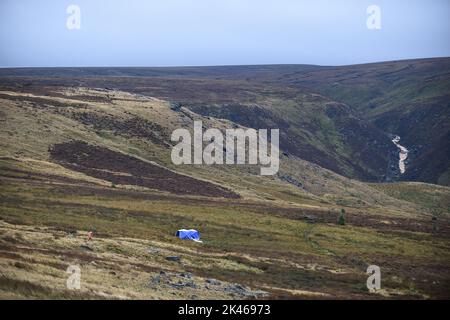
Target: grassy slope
(277, 237)
(313, 127)
(245, 242)
(433, 197)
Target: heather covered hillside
(89, 150)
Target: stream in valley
(403, 154)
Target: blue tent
(190, 234)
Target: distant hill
(341, 118)
(410, 98)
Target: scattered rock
(237, 287)
(214, 282)
(175, 106)
(186, 275)
(185, 280)
(259, 293)
(182, 285)
(153, 250)
(174, 280)
(173, 258)
(243, 291)
(155, 281)
(291, 180)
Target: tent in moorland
(190, 234)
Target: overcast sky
(219, 32)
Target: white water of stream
(403, 154)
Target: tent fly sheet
(190, 234)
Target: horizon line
(224, 65)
